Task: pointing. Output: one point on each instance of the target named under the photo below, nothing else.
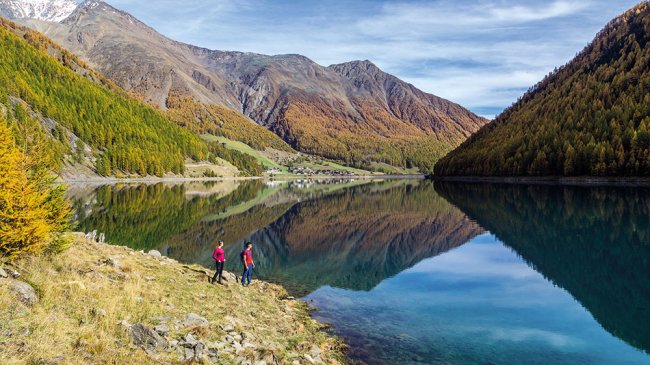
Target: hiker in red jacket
(219, 257)
(247, 260)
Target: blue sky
(482, 54)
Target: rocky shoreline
(99, 303)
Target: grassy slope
(244, 148)
(268, 163)
(142, 289)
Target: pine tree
(33, 213)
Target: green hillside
(588, 118)
(38, 78)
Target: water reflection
(352, 234)
(592, 241)
(388, 263)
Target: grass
(244, 148)
(393, 170)
(83, 299)
(269, 163)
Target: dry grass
(68, 325)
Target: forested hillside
(218, 120)
(590, 117)
(39, 80)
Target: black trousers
(219, 272)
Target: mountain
(589, 117)
(45, 91)
(48, 10)
(351, 112)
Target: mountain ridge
(316, 109)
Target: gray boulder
(147, 338)
(162, 329)
(154, 253)
(194, 320)
(24, 292)
(3, 273)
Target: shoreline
(155, 180)
(550, 180)
(104, 303)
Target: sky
(482, 54)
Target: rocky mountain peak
(46, 10)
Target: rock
(3, 273)
(13, 273)
(24, 292)
(261, 362)
(98, 312)
(309, 359)
(295, 362)
(147, 338)
(112, 262)
(198, 350)
(228, 339)
(194, 320)
(162, 329)
(154, 253)
(238, 348)
(189, 341)
(213, 353)
(248, 345)
(189, 354)
(173, 343)
(315, 351)
(237, 337)
(243, 361)
(149, 278)
(228, 328)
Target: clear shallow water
(478, 304)
(413, 273)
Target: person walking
(219, 257)
(249, 264)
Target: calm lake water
(412, 272)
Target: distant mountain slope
(352, 112)
(49, 92)
(590, 117)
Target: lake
(416, 272)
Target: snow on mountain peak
(48, 10)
